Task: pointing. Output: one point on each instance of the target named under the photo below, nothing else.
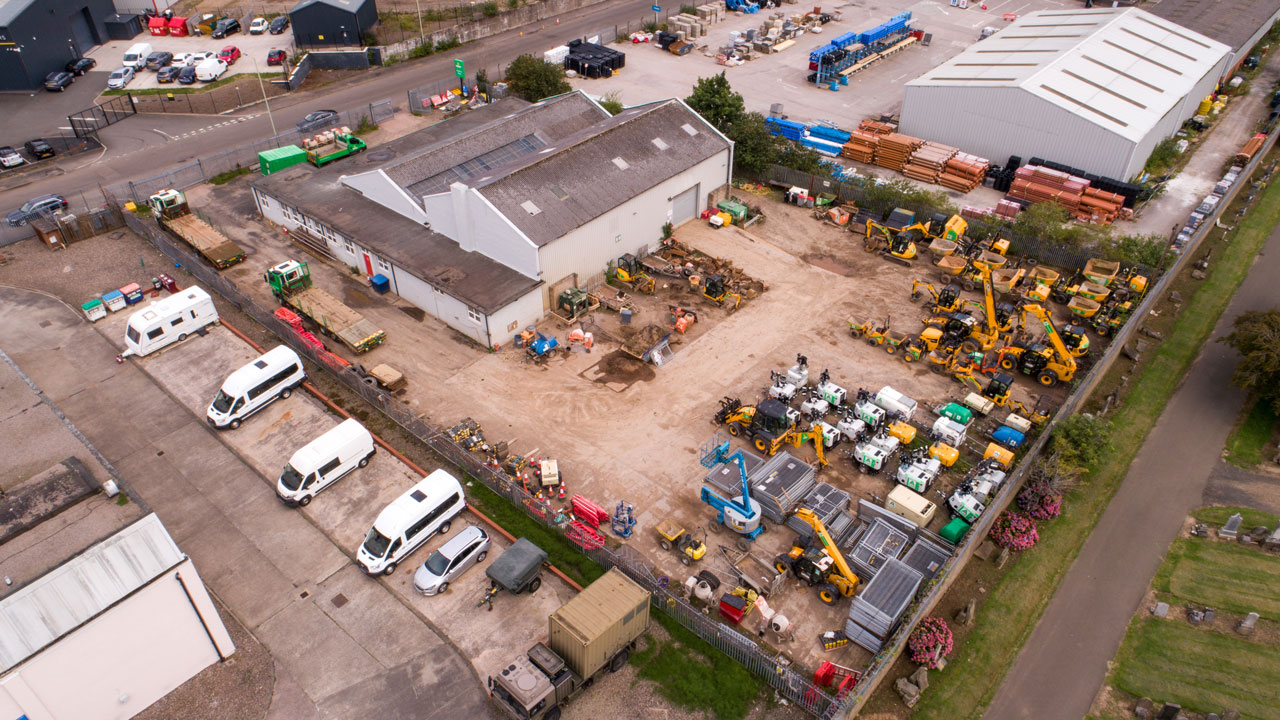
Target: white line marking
(166, 135)
(66, 128)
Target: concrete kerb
(883, 660)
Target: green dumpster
(277, 159)
(954, 531)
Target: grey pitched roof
(457, 143)
(580, 178)
(1231, 22)
(473, 278)
(350, 6)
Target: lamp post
(421, 33)
(265, 99)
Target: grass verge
(1006, 619)
(1222, 575)
(1201, 670)
(223, 178)
(191, 90)
(693, 675)
(560, 552)
(1251, 435)
(1218, 516)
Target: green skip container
(277, 159)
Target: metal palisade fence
(244, 156)
(786, 680)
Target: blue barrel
(1008, 437)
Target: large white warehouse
(1095, 89)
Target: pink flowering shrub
(929, 642)
(1016, 531)
(1040, 501)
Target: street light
(421, 33)
(265, 99)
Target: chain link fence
(244, 156)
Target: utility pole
(265, 99)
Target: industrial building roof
(571, 182)
(76, 591)
(1122, 69)
(473, 278)
(347, 5)
(1231, 22)
(11, 9)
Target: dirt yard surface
(579, 407)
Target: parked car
(226, 28)
(159, 59)
(187, 75)
(258, 26)
(39, 149)
(168, 74)
(317, 120)
(210, 69)
(58, 81)
(229, 54)
(119, 78)
(80, 66)
(43, 205)
(455, 557)
(10, 157)
(195, 58)
(276, 57)
(279, 25)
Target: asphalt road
(146, 144)
(1064, 662)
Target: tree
(533, 79)
(1256, 336)
(1138, 249)
(754, 148)
(1081, 441)
(716, 102)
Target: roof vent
(689, 129)
(261, 364)
(622, 164)
(530, 208)
(659, 143)
(418, 495)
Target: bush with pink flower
(1039, 500)
(930, 642)
(1014, 530)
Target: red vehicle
(229, 54)
(275, 57)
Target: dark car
(275, 57)
(279, 25)
(157, 60)
(80, 66)
(226, 28)
(168, 74)
(39, 149)
(317, 120)
(187, 75)
(58, 81)
(38, 207)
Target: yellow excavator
(997, 320)
(796, 438)
(819, 563)
(1073, 336)
(998, 391)
(896, 237)
(1049, 365)
(630, 273)
(945, 300)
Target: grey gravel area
(85, 269)
(238, 688)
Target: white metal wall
(124, 660)
(632, 225)
(506, 323)
(998, 122)
(383, 190)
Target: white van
(211, 69)
(407, 523)
(325, 460)
(904, 501)
(246, 391)
(136, 56)
(168, 320)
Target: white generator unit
(798, 375)
(869, 413)
(918, 473)
(831, 435)
(965, 506)
(782, 389)
(851, 426)
(948, 431)
(893, 401)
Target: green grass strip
(1006, 619)
(195, 90)
(1218, 516)
(1201, 670)
(693, 675)
(1244, 447)
(1222, 575)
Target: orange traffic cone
(561, 491)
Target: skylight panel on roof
(530, 208)
(689, 129)
(558, 191)
(659, 143)
(622, 164)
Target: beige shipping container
(589, 630)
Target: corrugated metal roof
(72, 593)
(1123, 69)
(594, 610)
(1228, 21)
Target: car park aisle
(353, 647)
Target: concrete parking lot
(253, 47)
(652, 74)
(40, 112)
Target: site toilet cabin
(167, 321)
(271, 376)
(325, 460)
(409, 521)
(905, 502)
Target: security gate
(87, 122)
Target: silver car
(467, 548)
